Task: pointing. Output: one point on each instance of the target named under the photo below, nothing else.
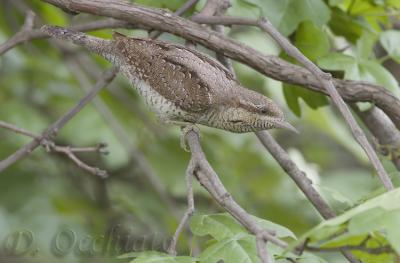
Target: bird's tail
(97, 45)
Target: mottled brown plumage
(183, 85)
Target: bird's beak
(285, 125)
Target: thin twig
(298, 176)
(68, 152)
(50, 146)
(218, 8)
(383, 129)
(371, 250)
(16, 129)
(180, 11)
(301, 180)
(190, 208)
(53, 129)
(29, 34)
(20, 36)
(261, 244)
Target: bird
(181, 85)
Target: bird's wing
(176, 82)
(209, 60)
(170, 76)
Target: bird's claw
(185, 130)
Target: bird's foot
(185, 129)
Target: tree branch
(27, 34)
(383, 129)
(53, 129)
(50, 146)
(209, 179)
(298, 176)
(301, 180)
(16, 129)
(190, 208)
(19, 37)
(374, 250)
(217, 8)
(180, 11)
(270, 66)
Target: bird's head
(250, 111)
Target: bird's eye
(263, 110)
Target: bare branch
(67, 150)
(217, 8)
(30, 34)
(209, 179)
(388, 137)
(70, 153)
(20, 36)
(18, 130)
(190, 208)
(302, 181)
(370, 250)
(224, 20)
(261, 244)
(52, 130)
(189, 4)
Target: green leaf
(335, 2)
(393, 3)
(374, 72)
(293, 93)
(154, 257)
(292, 98)
(286, 15)
(390, 40)
(309, 258)
(347, 26)
(238, 248)
(311, 40)
(376, 219)
(365, 45)
(280, 231)
(219, 226)
(372, 12)
(222, 226)
(336, 195)
(359, 69)
(234, 244)
(340, 62)
(54, 15)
